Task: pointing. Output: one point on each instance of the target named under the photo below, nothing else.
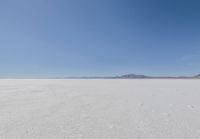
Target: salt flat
(99, 109)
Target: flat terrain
(99, 109)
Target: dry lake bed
(99, 109)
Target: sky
(58, 38)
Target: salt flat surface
(99, 109)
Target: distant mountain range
(136, 76)
(126, 76)
(132, 76)
(197, 76)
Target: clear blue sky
(99, 37)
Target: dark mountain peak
(197, 76)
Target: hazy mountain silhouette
(138, 76)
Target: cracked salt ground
(99, 109)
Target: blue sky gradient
(56, 38)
